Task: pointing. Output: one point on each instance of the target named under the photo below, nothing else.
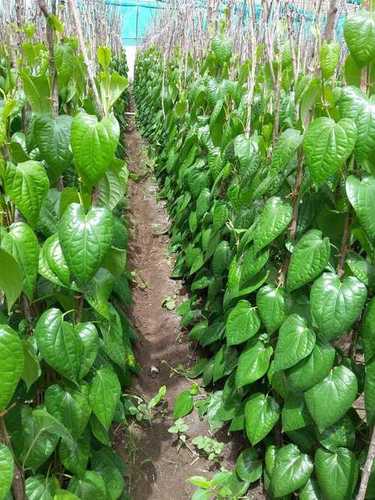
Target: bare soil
(158, 469)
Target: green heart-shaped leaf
(11, 364)
(55, 259)
(329, 400)
(336, 304)
(94, 145)
(272, 307)
(52, 135)
(337, 473)
(309, 258)
(88, 334)
(85, 239)
(6, 470)
(261, 414)
(22, 244)
(69, 406)
(272, 221)
(59, 344)
(291, 471)
(242, 323)
(359, 33)
(327, 146)
(27, 185)
(253, 363)
(313, 369)
(105, 392)
(295, 342)
(294, 414)
(361, 195)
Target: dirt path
(157, 469)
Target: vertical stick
(367, 469)
(78, 27)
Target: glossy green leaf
(342, 434)
(53, 138)
(253, 363)
(11, 364)
(22, 244)
(330, 399)
(69, 406)
(370, 391)
(110, 467)
(105, 392)
(90, 487)
(291, 471)
(11, 278)
(359, 33)
(39, 488)
(285, 149)
(85, 239)
(88, 334)
(336, 304)
(76, 460)
(309, 259)
(295, 342)
(6, 471)
(94, 145)
(327, 146)
(183, 404)
(249, 465)
(59, 344)
(242, 323)
(261, 414)
(329, 58)
(272, 307)
(27, 185)
(272, 221)
(361, 195)
(312, 369)
(337, 473)
(55, 259)
(294, 414)
(310, 491)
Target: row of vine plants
(272, 213)
(65, 338)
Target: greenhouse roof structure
(138, 15)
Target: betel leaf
(53, 254)
(329, 56)
(183, 404)
(242, 323)
(361, 195)
(342, 434)
(76, 460)
(327, 146)
(310, 491)
(110, 467)
(59, 344)
(337, 473)
(261, 414)
(11, 364)
(69, 406)
(291, 471)
(88, 334)
(294, 414)
(336, 304)
(285, 149)
(359, 33)
(27, 186)
(52, 135)
(313, 369)
(368, 331)
(6, 470)
(11, 278)
(295, 342)
(22, 244)
(94, 145)
(253, 363)
(272, 221)
(40, 488)
(31, 369)
(249, 466)
(90, 486)
(105, 392)
(309, 259)
(85, 239)
(330, 399)
(272, 307)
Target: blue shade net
(138, 15)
